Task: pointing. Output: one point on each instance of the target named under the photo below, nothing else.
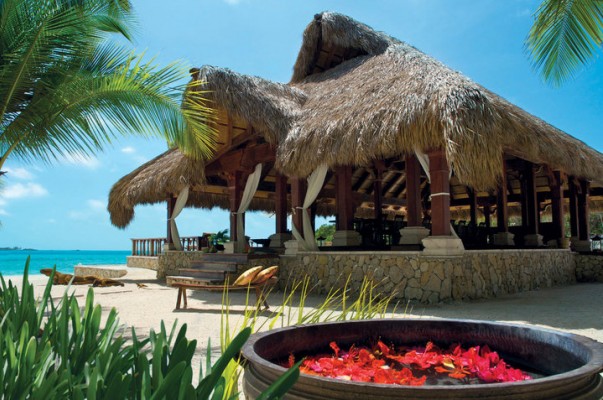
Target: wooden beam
(414, 214)
(573, 206)
(344, 199)
(235, 190)
(583, 214)
(556, 185)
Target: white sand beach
(576, 308)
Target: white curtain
(178, 207)
(251, 186)
(424, 161)
(315, 182)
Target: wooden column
(414, 214)
(377, 194)
(171, 203)
(529, 200)
(440, 193)
(280, 203)
(573, 206)
(298, 192)
(235, 192)
(502, 209)
(583, 214)
(345, 201)
(556, 184)
(472, 206)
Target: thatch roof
(270, 107)
(358, 95)
(162, 178)
(393, 98)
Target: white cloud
(19, 190)
(128, 150)
(96, 205)
(3, 212)
(19, 173)
(232, 2)
(82, 160)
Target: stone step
(203, 275)
(213, 265)
(236, 258)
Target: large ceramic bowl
(570, 364)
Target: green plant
(50, 351)
(337, 305)
(66, 88)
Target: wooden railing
(152, 247)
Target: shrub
(50, 351)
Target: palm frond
(565, 35)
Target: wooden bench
(259, 290)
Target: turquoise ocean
(12, 262)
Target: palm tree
(66, 87)
(565, 35)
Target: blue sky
(63, 205)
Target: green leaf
(208, 383)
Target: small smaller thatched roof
(270, 107)
(154, 181)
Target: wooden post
(502, 209)
(414, 214)
(472, 206)
(298, 192)
(377, 195)
(530, 200)
(344, 200)
(583, 214)
(235, 193)
(171, 203)
(573, 206)
(556, 185)
(280, 203)
(440, 193)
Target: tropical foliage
(565, 35)
(50, 351)
(67, 87)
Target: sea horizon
(12, 262)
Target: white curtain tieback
(440, 194)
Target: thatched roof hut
(378, 98)
(356, 95)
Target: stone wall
(416, 277)
(142, 262)
(589, 267)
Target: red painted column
(440, 193)
(556, 186)
(344, 200)
(280, 203)
(298, 192)
(583, 214)
(414, 213)
(235, 192)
